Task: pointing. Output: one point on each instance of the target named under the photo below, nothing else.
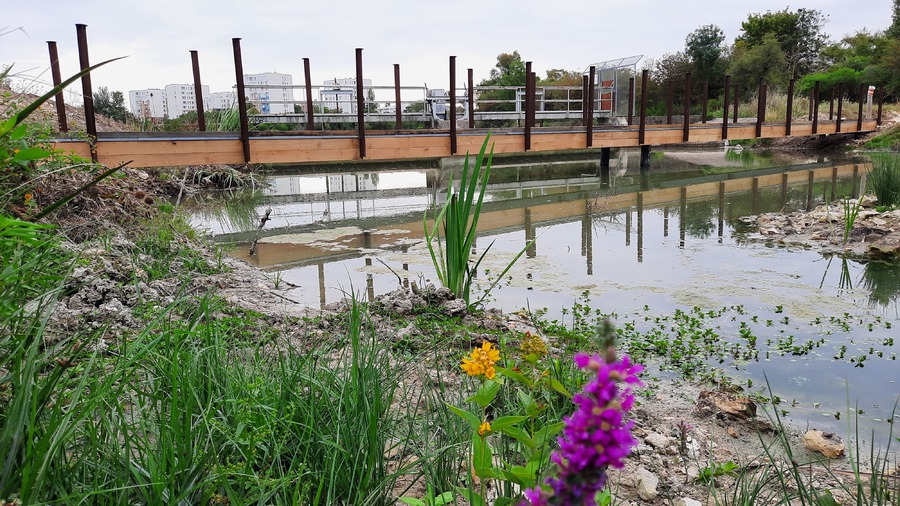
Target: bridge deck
(198, 148)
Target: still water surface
(636, 244)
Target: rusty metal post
(590, 117)
(880, 104)
(360, 104)
(398, 113)
(790, 108)
(307, 77)
(837, 124)
(760, 108)
(831, 106)
(862, 98)
(642, 125)
(584, 100)
(198, 91)
(242, 98)
(90, 122)
(630, 101)
(815, 108)
(529, 105)
(736, 98)
(452, 115)
(703, 107)
(725, 108)
(686, 134)
(534, 102)
(471, 82)
(670, 96)
(57, 80)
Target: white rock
(646, 485)
(687, 501)
(657, 441)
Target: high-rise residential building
(180, 98)
(270, 92)
(147, 104)
(220, 101)
(339, 95)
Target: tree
(556, 99)
(764, 61)
(894, 30)
(509, 71)
(799, 35)
(705, 47)
(111, 105)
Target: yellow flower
(16, 151)
(484, 428)
(481, 361)
(27, 197)
(533, 344)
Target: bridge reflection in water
(336, 220)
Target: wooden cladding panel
(148, 152)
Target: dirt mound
(11, 101)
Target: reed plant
(884, 179)
(458, 218)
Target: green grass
(884, 179)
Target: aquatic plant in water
(459, 220)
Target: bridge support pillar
(645, 157)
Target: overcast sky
(419, 35)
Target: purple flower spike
(596, 435)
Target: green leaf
(520, 475)
(503, 501)
(8, 125)
(547, 432)
(515, 376)
(473, 420)
(519, 435)
(482, 458)
(506, 421)
(470, 495)
(18, 132)
(412, 501)
(445, 498)
(485, 394)
(826, 499)
(556, 385)
(28, 154)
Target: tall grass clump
(458, 219)
(884, 179)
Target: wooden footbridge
(153, 149)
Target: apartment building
(180, 98)
(339, 95)
(147, 104)
(270, 92)
(220, 101)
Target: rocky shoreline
(874, 234)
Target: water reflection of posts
(721, 230)
(640, 227)
(587, 241)
(530, 235)
(321, 267)
(665, 222)
(681, 218)
(809, 191)
(833, 183)
(854, 190)
(628, 227)
(784, 188)
(754, 195)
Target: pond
(665, 252)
